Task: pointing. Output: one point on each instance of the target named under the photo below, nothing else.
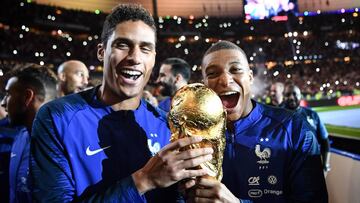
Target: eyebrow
(130, 42)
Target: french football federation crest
(264, 155)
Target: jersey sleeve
(305, 180)
(321, 129)
(51, 172)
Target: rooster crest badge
(264, 155)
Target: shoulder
(276, 114)
(154, 111)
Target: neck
(117, 103)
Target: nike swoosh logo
(93, 152)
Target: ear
(29, 97)
(100, 51)
(178, 78)
(251, 77)
(61, 76)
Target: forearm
(325, 154)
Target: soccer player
(26, 91)
(174, 73)
(106, 144)
(73, 77)
(292, 98)
(276, 93)
(271, 154)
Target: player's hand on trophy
(208, 190)
(171, 165)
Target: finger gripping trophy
(197, 111)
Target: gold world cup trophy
(197, 111)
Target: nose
(85, 80)
(134, 55)
(226, 79)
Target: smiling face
(129, 57)
(227, 72)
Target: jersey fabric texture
(314, 120)
(85, 151)
(273, 156)
(19, 168)
(165, 104)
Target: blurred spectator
(276, 93)
(73, 77)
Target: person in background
(26, 91)
(276, 93)
(271, 154)
(106, 144)
(174, 73)
(292, 98)
(73, 77)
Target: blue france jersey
(314, 120)
(84, 150)
(273, 156)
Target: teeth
(131, 72)
(228, 93)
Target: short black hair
(179, 66)
(122, 13)
(41, 79)
(223, 44)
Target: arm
(51, 171)
(305, 180)
(52, 175)
(323, 138)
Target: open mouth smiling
(130, 74)
(229, 99)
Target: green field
(340, 131)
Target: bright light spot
(21, 36)
(182, 38)
(254, 54)
(345, 82)
(297, 51)
(331, 91)
(194, 67)
(326, 44)
(68, 54)
(336, 82)
(21, 4)
(317, 70)
(69, 39)
(207, 40)
(53, 18)
(269, 40)
(324, 85)
(299, 43)
(27, 29)
(237, 41)
(357, 84)
(276, 73)
(308, 82)
(265, 72)
(305, 33)
(175, 17)
(84, 43)
(23, 27)
(161, 26)
(318, 11)
(286, 35)
(342, 10)
(186, 51)
(178, 45)
(41, 54)
(252, 28)
(229, 24)
(89, 38)
(36, 54)
(295, 58)
(97, 11)
(290, 34)
(327, 84)
(54, 46)
(288, 76)
(300, 57)
(59, 32)
(321, 88)
(15, 52)
(260, 49)
(306, 13)
(96, 37)
(196, 37)
(295, 34)
(42, 63)
(294, 41)
(251, 58)
(356, 9)
(49, 17)
(343, 20)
